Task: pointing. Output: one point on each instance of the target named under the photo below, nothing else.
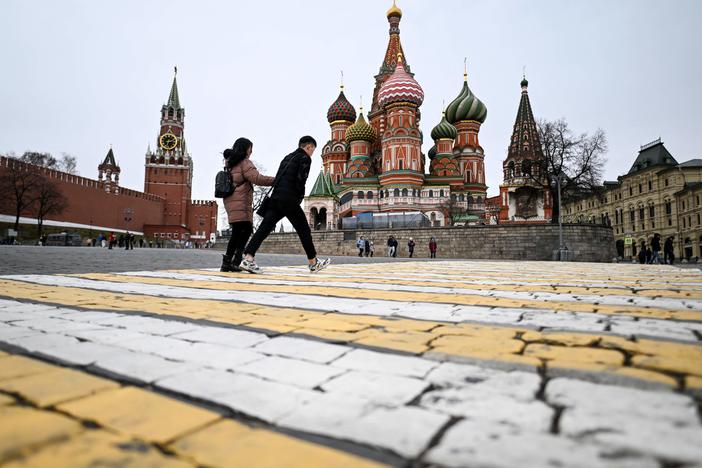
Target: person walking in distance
(394, 246)
(366, 247)
(656, 248)
(432, 248)
(360, 245)
(239, 205)
(288, 192)
(410, 247)
(371, 248)
(668, 254)
(126, 240)
(389, 246)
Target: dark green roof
(653, 154)
(109, 159)
(323, 186)
(173, 100)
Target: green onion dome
(432, 152)
(444, 130)
(466, 107)
(524, 82)
(341, 109)
(361, 130)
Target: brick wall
(90, 204)
(588, 243)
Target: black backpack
(224, 185)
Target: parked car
(64, 239)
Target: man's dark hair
(306, 140)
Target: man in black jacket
(288, 192)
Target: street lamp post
(562, 249)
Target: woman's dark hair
(238, 152)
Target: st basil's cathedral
(374, 165)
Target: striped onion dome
(341, 109)
(444, 130)
(361, 130)
(400, 87)
(466, 107)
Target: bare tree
(259, 193)
(40, 159)
(48, 200)
(452, 210)
(578, 160)
(18, 186)
(68, 163)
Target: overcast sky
(77, 76)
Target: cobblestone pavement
(489, 364)
(50, 260)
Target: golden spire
(361, 106)
(394, 11)
(342, 81)
(465, 68)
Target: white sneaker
(320, 265)
(250, 266)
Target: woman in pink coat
(239, 205)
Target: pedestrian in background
(410, 247)
(656, 247)
(389, 246)
(432, 248)
(668, 254)
(360, 245)
(366, 247)
(371, 248)
(394, 246)
(642, 253)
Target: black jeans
(241, 231)
(277, 211)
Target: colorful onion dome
(394, 11)
(361, 130)
(400, 87)
(444, 130)
(466, 106)
(341, 109)
(432, 152)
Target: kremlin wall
(163, 212)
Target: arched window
(360, 195)
(380, 194)
(153, 159)
(479, 200)
(404, 192)
(180, 161)
(161, 160)
(441, 193)
(526, 167)
(470, 200)
(453, 197)
(399, 164)
(510, 169)
(396, 193)
(369, 195)
(461, 197)
(431, 194)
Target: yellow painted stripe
(653, 360)
(405, 296)
(191, 433)
(452, 283)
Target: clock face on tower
(168, 141)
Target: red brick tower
(524, 195)
(376, 116)
(168, 170)
(467, 113)
(402, 161)
(335, 154)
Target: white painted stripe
(640, 301)
(527, 317)
(49, 222)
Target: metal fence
(386, 221)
